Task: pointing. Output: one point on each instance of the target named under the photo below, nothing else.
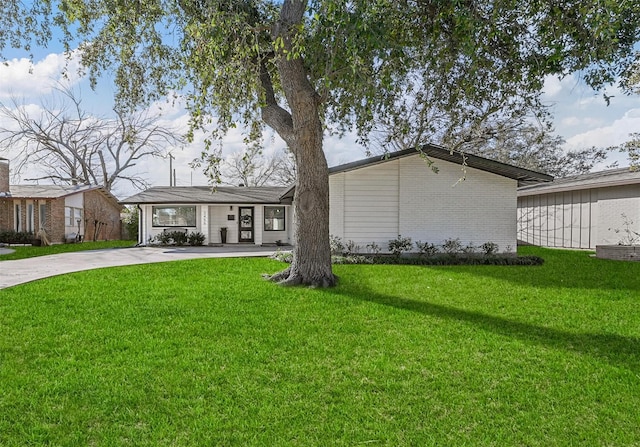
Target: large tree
(68, 145)
(303, 67)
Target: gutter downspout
(140, 226)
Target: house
(252, 215)
(580, 211)
(371, 201)
(62, 212)
(470, 198)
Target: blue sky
(581, 115)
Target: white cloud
(552, 86)
(615, 133)
(22, 78)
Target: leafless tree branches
(67, 145)
(253, 168)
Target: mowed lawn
(206, 353)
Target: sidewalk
(25, 270)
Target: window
(174, 216)
(43, 215)
(274, 218)
(72, 215)
(30, 217)
(17, 217)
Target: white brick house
(377, 199)
(371, 200)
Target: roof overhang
(523, 176)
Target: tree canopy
(305, 67)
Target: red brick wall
(56, 223)
(6, 214)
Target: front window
(274, 218)
(174, 216)
(72, 216)
(43, 215)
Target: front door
(245, 223)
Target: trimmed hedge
(442, 259)
(16, 237)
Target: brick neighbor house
(62, 212)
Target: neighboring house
(580, 211)
(61, 211)
(372, 200)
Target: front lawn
(28, 251)
(204, 352)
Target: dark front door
(245, 224)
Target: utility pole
(171, 174)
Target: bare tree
(253, 168)
(68, 145)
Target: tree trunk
(311, 253)
(301, 128)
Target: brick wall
(102, 217)
(56, 210)
(618, 252)
(4, 175)
(405, 197)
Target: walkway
(25, 270)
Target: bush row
(443, 259)
(179, 238)
(16, 237)
(402, 245)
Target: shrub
(336, 245)
(469, 249)
(489, 248)
(452, 259)
(373, 248)
(351, 248)
(427, 248)
(16, 237)
(452, 246)
(282, 256)
(195, 238)
(400, 245)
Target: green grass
(204, 352)
(28, 251)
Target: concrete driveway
(31, 269)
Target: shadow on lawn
(565, 269)
(615, 349)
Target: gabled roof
(602, 179)
(523, 176)
(53, 191)
(205, 194)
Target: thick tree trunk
(302, 129)
(311, 253)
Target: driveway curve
(26, 270)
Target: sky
(581, 117)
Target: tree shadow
(574, 273)
(617, 350)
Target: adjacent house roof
(205, 194)
(523, 176)
(602, 179)
(53, 191)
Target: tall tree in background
(254, 168)
(522, 139)
(70, 146)
(305, 66)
